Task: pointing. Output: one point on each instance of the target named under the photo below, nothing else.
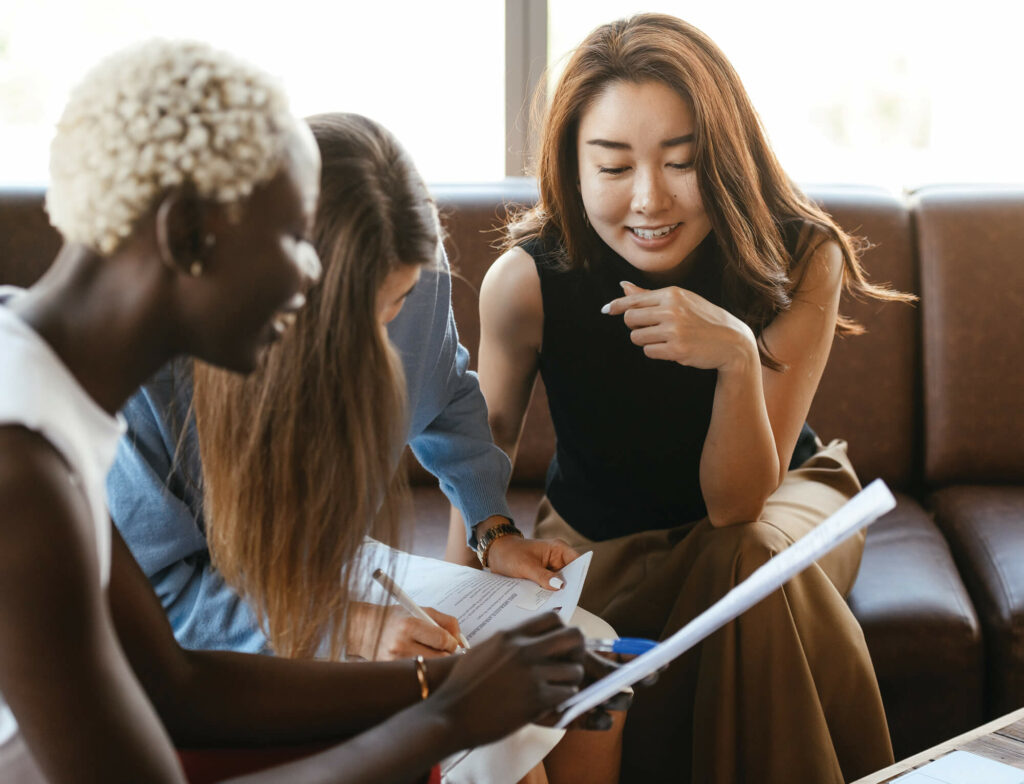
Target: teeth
(650, 234)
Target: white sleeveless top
(38, 392)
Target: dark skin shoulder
(78, 704)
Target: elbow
(742, 504)
(724, 516)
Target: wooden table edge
(905, 766)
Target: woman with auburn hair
(679, 296)
(185, 191)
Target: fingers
(565, 673)
(541, 624)
(618, 306)
(619, 702)
(412, 636)
(631, 288)
(565, 643)
(447, 622)
(560, 554)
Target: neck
(99, 316)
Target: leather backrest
(28, 243)
(971, 240)
(869, 390)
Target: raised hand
(678, 325)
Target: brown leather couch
(929, 400)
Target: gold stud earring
(196, 269)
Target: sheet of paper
(484, 603)
(865, 507)
(962, 767)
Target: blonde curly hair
(154, 116)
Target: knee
(750, 545)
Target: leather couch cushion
(972, 281)
(921, 630)
(985, 529)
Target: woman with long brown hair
(286, 471)
(679, 295)
(319, 425)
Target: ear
(178, 231)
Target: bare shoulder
(46, 519)
(818, 274)
(511, 304)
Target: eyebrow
(610, 145)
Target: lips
(653, 233)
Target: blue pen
(629, 646)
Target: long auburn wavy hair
(748, 197)
(299, 458)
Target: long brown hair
(299, 458)
(748, 197)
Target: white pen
(395, 590)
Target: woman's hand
(681, 326)
(532, 559)
(514, 677)
(402, 635)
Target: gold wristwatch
(483, 543)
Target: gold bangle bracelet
(421, 676)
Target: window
(431, 72)
(878, 92)
(883, 92)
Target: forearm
(739, 465)
(399, 750)
(238, 699)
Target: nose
(650, 193)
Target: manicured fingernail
(606, 309)
(556, 583)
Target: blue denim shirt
(157, 504)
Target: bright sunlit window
(431, 72)
(887, 92)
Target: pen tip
(376, 573)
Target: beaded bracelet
(421, 676)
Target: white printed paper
(962, 767)
(861, 510)
(484, 603)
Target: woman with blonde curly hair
(186, 192)
(679, 296)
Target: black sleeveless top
(629, 429)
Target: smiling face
(635, 151)
(261, 265)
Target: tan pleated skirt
(786, 692)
